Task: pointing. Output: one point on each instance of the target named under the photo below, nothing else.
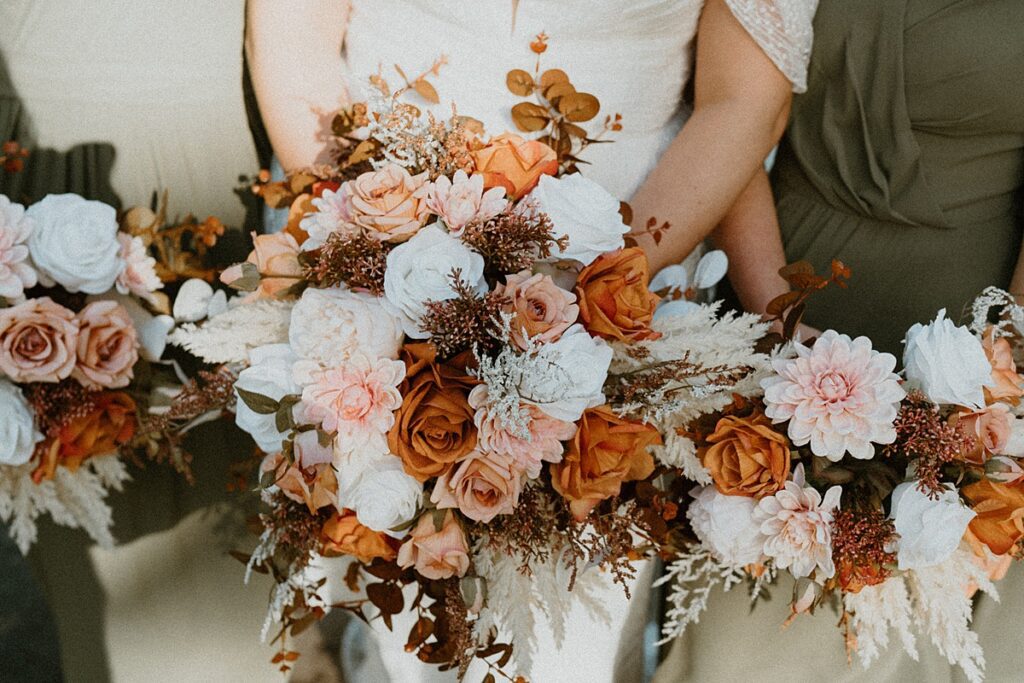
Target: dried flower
(355, 260)
(861, 540)
(514, 240)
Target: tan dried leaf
(552, 76)
(426, 91)
(560, 89)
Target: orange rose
(613, 296)
(315, 486)
(747, 457)
(514, 163)
(995, 566)
(109, 424)
(1007, 383)
(344, 535)
(1000, 510)
(606, 451)
(434, 427)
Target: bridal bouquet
(82, 323)
(455, 368)
(893, 497)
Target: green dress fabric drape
(905, 160)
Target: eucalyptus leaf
(258, 403)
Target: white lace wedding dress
(636, 57)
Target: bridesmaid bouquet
(892, 497)
(457, 371)
(82, 324)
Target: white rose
(329, 325)
(18, 435)
(567, 376)
(376, 487)
(583, 211)
(420, 270)
(947, 363)
(269, 374)
(930, 529)
(74, 243)
(726, 526)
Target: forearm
(293, 49)
(749, 235)
(701, 175)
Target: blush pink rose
(990, 428)
(389, 203)
(542, 310)
(482, 486)
(107, 348)
(528, 455)
(436, 554)
(37, 341)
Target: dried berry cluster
(465, 322)
(358, 261)
(860, 543)
(55, 405)
(513, 240)
(923, 436)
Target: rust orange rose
(514, 163)
(434, 427)
(1000, 514)
(613, 296)
(110, 423)
(747, 457)
(606, 451)
(1007, 384)
(344, 535)
(315, 486)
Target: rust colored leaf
(560, 89)
(387, 597)
(779, 305)
(420, 631)
(579, 106)
(519, 82)
(626, 211)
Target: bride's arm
(741, 105)
(294, 53)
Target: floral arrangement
(893, 497)
(83, 323)
(458, 373)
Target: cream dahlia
(839, 395)
(16, 272)
(356, 399)
(462, 200)
(139, 275)
(797, 525)
(332, 214)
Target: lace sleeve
(783, 30)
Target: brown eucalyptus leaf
(796, 268)
(626, 211)
(426, 91)
(558, 90)
(579, 106)
(529, 117)
(258, 403)
(388, 571)
(573, 130)
(519, 82)
(552, 76)
(777, 306)
(363, 151)
(419, 632)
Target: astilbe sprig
(467, 321)
(358, 261)
(514, 239)
(861, 547)
(928, 440)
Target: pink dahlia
(528, 455)
(797, 525)
(332, 214)
(356, 400)
(462, 200)
(840, 396)
(139, 274)
(16, 272)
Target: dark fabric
(905, 159)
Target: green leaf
(250, 280)
(258, 403)
(283, 419)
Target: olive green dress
(905, 160)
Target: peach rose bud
(436, 550)
(108, 346)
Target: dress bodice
(634, 57)
(914, 112)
